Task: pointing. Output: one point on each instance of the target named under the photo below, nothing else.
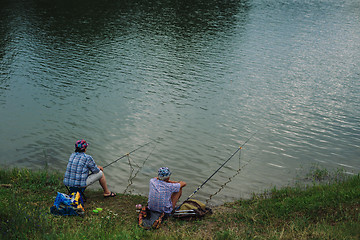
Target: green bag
(192, 209)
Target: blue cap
(164, 173)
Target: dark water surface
(203, 75)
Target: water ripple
(204, 78)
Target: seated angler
(78, 176)
(163, 193)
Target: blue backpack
(66, 205)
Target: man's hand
(182, 184)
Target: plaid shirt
(160, 195)
(78, 169)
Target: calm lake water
(204, 75)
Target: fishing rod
(131, 152)
(217, 169)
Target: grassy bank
(322, 211)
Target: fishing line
(132, 177)
(127, 154)
(131, 172)
(217, 170)
(131, 168)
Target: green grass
(328, 208)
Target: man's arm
(91, 165)
(182, 183)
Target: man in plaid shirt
(163, 193)
(77, 175)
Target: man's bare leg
(175, 197)
(103, 184)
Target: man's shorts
(93, 178)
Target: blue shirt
(78, 169)
(160, 195)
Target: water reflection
(64, 56)
(62, 37)
(204, 75)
